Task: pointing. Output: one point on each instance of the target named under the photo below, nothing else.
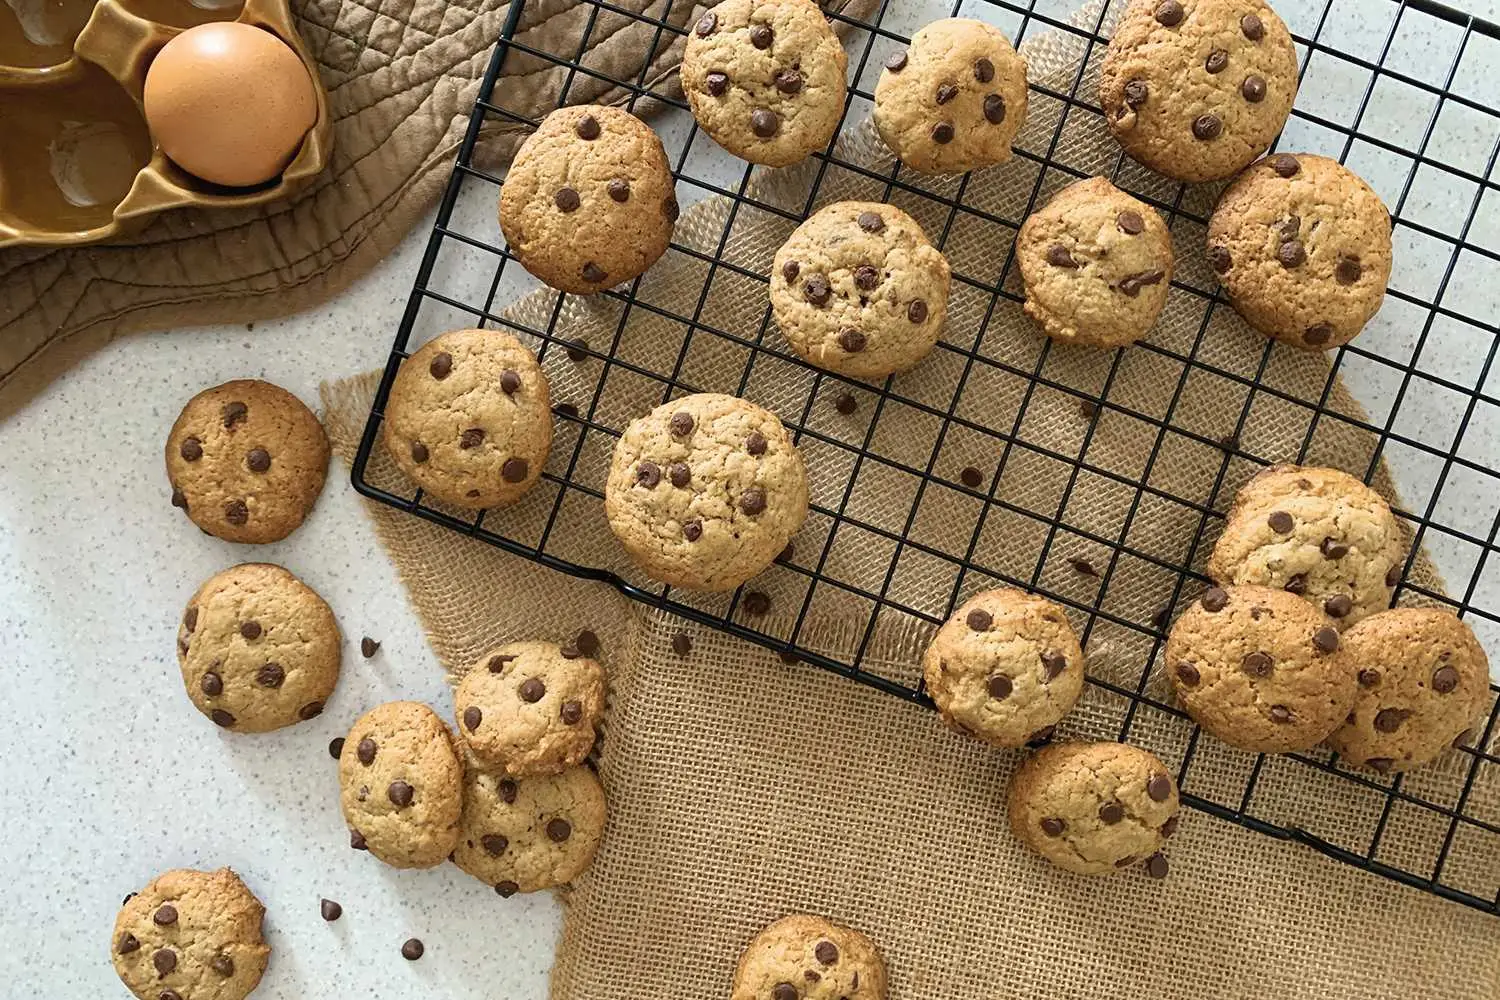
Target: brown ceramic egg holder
(77, 163)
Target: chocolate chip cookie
(1303, 248)
(954, 100)
(526, 834)
(765, 78)
(191, 935)
(530, 707)
(246, 461)
(857, 289)
(802, 957)
(1096, 264)
(705, 491)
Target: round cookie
(589, 201)
(246, 461)
(401, 785)
(955, 100)
(530, 707)
(1302, 246)
(1096, 264)
(526, 834)
(1317, 533)
(765, 78)
(1006, 667)
(191, 935)
(469, 418)
(258, 649)
(858, 290)
(1196, 89)
(803, 957)
(705, 491)
(1094, 808)
(1423, 682)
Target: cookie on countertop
(258, 649)
(765, 78)
(858, 290)
(246, 461)
(191, 935)
(530, 707)
(803, 957)
(1096, 264)
(589, 201)
(1196, 89)
(705, 491)
(954, 100)
(527, 834)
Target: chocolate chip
(1326, 639)
(169, 995)
(994, 109)
(619, 189)
(587, 642)
(223, 965)
(784, 991)
(1388, 720)
(1207, 127)
(753, 500)
(569, 652)
(979, 620)
(789, 81)
(1053, 827)
(1058, 256)
(716, 83)
(757, 602)
(235, 512)
(1111, 813)
(896, 61)
(1347, 270)
(790, 270)
(1463, 738)
(755, 444)
(211, 684)
(971, 477)
(1285, 165)
(357, 841)
(1252, 28)
(1159, 787)
(942, 133)
(1257, 664)
(1054, 662)
(1169, 827)
(507, 789)
(826, 952)
(588, 127)
(330, 910)
(1291, 254)
(845, 403)
(514, 470)
(1297, 584)
(366, 751)
(179, 499)
(851, 340)
(1368, 678)
(1219, 259)
(692, 529)
(571, 713)
(679, 474)
(192, 449)
(336, 747)
(418, 452)
(235, 413)
(1169, 13)
(413, 948)
(559, 830)
(1318, 335)
(272, 675)
(494, 844)
(1253, 89)
(165, 915)
(368, 647)
(1188, 674)
(532, 689)
(816, 290)
(648, 474)
(1280, 522)
(250, 629)
(670, 208)
(870, 222)
(1040, 737)
(472, 718)
(764, 123)
(221, 718)
(1393, 576)
(128, 943)
(1132, 284)
(1444, 679)
(1214, 599)
(1381, 764)
(866, 277)
(916, 312)
(788, 657)
(1281, 714)
(811, 976)
(165, 960)
(706, 24)
(593, 272)
(999, 687)
(761, 36)
(786, 554)
(946, 92)
(1338, 605)
(682, 644)
(1130, 223)
(1332, 549)
(1156, 865)
(1217, 60)
(1136, 93)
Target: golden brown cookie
(530, 707)
(803, 957)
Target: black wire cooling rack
(1430, 371)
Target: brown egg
(229, 103)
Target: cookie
(858, 290)
(1302, 246)
(1423, 683)
(1196, 89)
(401, 785)
(765, 78)
(1006, 667)
(1094, 808)
(803, 957)
(1096, 264)
(705, 491)
(589, 201)
(258, 649)
(1260, 669)
(469, 418)
(955, 100)
(191, 935)
(526, 834)
(246, 461)
(1318, 533)
(530, 707)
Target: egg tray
(77, 161)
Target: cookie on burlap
(1317, 533)
(469, 418)
(1303, 248)
(765, 78)
(955, 100)
(526, 834)
(1094, 808)
(530, 707)
(1423, 682)
(857, 289)
(191, 935)
(803, 957)
(1196, 89)
(589, 201)
(246, 461)
(1006, 667)
(705, 491)
(401, 785)
(1096, 264)
(1261, 669)
(258, 649)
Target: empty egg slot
(185, 13)
(40, 33)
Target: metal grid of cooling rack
(1455, 228)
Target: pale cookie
(530, 707)
(526, 834)
(1303, 248)
(705, 491)
(258, 649)
(589, 201)
(1196, 89)
(469, 418)
(1096, 264)
(401, 785)
(1318, 533)
(765, 78)
(803, 957)
(955, 100)
(1006, 667)
(857, 289)
(191, 935)
(1423, 682)
(246, 461)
